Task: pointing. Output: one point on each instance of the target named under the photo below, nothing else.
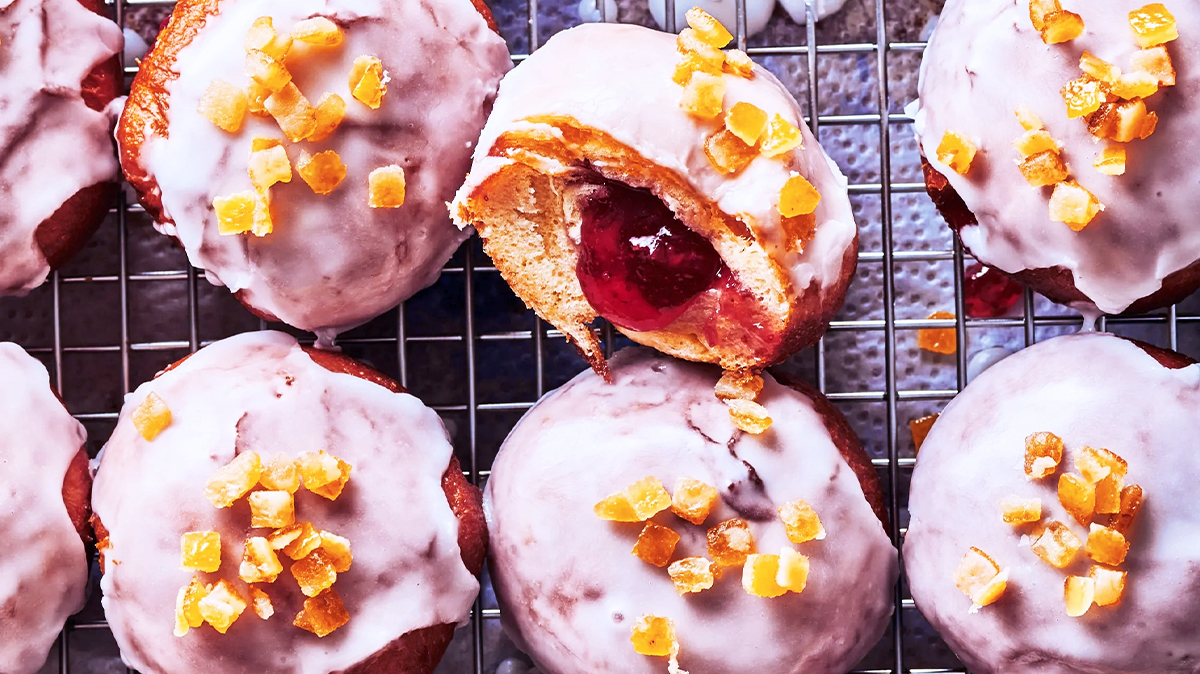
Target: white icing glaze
(569, 589)
(333, 262)
(51, 144)
(617, 78)
(758, 13)
(1091, 390)
(261, 392)
(799, 12)
(43, 566)
(983, 61)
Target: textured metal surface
(129, 304)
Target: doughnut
(382, 543)
(45, 482)
(322, 205)
(573, 596)
(602, 187)
(1052, 514)
(58, 73)
(1054, 141)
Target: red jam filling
(987, 292)
(639, 266)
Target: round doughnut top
(43, 567)
(333, 262)
(261, 392)
(52, 144)
(617, 79)
(985, 60)
(569, 589)
(1090, 390)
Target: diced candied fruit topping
(1111, 161)
(1072, 204)
(295, 115)
(1029, 119)
(1034, 142)
(654, 635)
(256, 98)
(1044, 169)
(727, 153)
(1153, 25)
(691, 574)
(1078, 496)
(798, 197)
(266, 71)
(974, 574)
(1057, 545)
(262, 37)
(368, 81)
(1079, 593)
(741, 384)
(234, 479)
(647, 497)
(1135, 85)
(323, 172)
(957, 152)
(703, 95)
(1106, 546)
(338, 549)
(1095, 464)
(385, 187)
(1043, 452)
(1131, 502)
(706, 57)
(730, 542)
(616, 508)
(656, 544)
(746, 121)
(242, 212)
(330, 111)
(739, 63)
(919, 428)
(1084, 95)
(1017, 510)
(759, 575)
(268, 167)
(1108, 494)
(317, 31)
(1154, 61)
(1040, 9)
(224, 105)
(279, 474)
(709, 29)
(187, 607)
(693, 500)
(281, 538)
(691, 63)
(201, 550)
(323, 473)
(938, 340)
(302, 545)
(151, 417)
(782, 137)
(273, 509)
(1098, 68)
(801, 522)
(1109, 585)
(1062, 27)
(749, 416)
(793, 570)
(222, 605)
(1123, 121)
(322, 614)
(314, 572)
(259, 564)
(260, 603)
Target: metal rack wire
(470, 268)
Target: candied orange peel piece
(980, 578)
(798, 197)
(1154, 61)
(260, 603)
(1078, 496)
(269, 166)
(746, 121)
(759, 576)
(654, 635)
(330, 111)
(730, 542)
(256, 99)
(385, 187)
(279, 474)
(697, 53)
(1135, 85)
(224, 105)
(1111, 161)
(1029, 119)
(322, 172)
(1043, 453)
(1040, 9)
(1106, 546)
(938, 340)
(259, 564)
(919, 428)
(272, 509)
(1057, 545)
(221, 605)
(368, 81)
(691, 574)
(656, 544)
(1131, 502)
(293, 113)
(739, 64)
(338, 549)
(708, 28)
(323, 474)
(297, 541)
(782, 137)
(246, 211)
(801, 522)
(1074, 205)
(956, 151)
(636, 503)
(322, 614)
(1034, 142)
(741, 384)
(793, 570)
(1017, 510)
(262, 37)
(1084, 95)
(703, 95)
(1062, 26)
(727, 153)
(234, 479)
(1044, 169)
(1078, 593)
(1153, 25)
(187, 607)
(749, 416)
(314, 572)
(318, 31)
(693, 500)
(1098, 68)
(1109, 585)
(1123, 121)
(266, 71)
(1095, 464)
(151, 417)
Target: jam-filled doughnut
(763, 553)
(45, 480)
(1059, 143)
(359, 538)
(58, 73)
(1052, 512)
(322, 204)
(666, 186)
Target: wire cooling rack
(130, 304)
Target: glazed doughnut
(58, 73)
(595, 195)
(414, 524)
(985, 61)
(571, 593)
(1093, 392)
(46, 482)
(334, 251)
